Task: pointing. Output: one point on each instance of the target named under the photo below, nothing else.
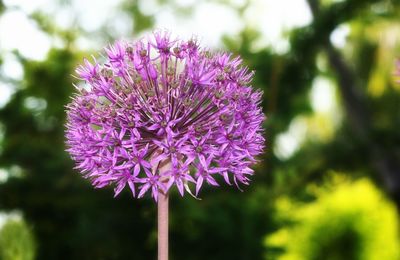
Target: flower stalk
(163, 210)
(162, 218)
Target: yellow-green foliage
(348, 220)
(16, 241)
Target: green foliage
(16, 241)
(140, 21)
(347, 220)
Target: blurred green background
(328, 186)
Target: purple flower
(163, 112)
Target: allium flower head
(164, 103)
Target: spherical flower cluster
(163, 112)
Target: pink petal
(132, 187)
(212, 181)
(198, 184)
(136, 170)
(179, 184)
(119, 188)
(143, 189)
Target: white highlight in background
(339, 36)
(17, 32)
(11, 67)
(274, 18)
(209, 22)
(6, 90)
(287, 143)
(322, 95)
(13, 215)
